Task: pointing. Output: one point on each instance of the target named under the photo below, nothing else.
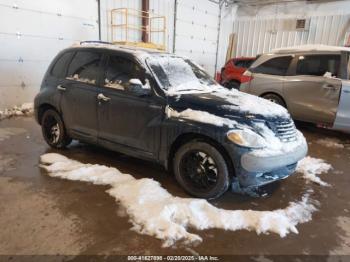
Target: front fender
(174, 128)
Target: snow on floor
(330, 143)
(311, 167)
(154, 211)
(25, 109)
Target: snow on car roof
(308, 48)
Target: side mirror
(136, 87)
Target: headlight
(246, 138)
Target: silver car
(312, 82)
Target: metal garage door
(31, 34)
(197, 28)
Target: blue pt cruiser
(165, 108)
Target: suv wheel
(54, 131)
(232, 85)
(275, 99)
(201, 170)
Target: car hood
(230, 104)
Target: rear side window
(240, 63)
(274, 66)
(85, 67)
(60, 67)
(248, 63)
(318, 65)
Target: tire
(53, 130)
(196, 173)
(275, 99)
(232, 85)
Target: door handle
(102, 97)
(329, 86)
(61, 88)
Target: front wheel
(201, 170)
(54, 131)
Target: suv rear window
(244, 63)
(85, 67)
(274, 66)
(318, 65)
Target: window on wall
(319, 65)
(85, 67)
(274, 66)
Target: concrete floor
(40, 215)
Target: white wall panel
(197, 28)
(32, 32)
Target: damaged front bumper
(255, 170)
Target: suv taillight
(246, 77)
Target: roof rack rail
(96, 42)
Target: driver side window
(119, 72)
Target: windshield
(180, 75)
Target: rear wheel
(53, 130)
(232, 85)
(275, 99)
(201, 170)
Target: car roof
(135, 51)
(244, 58)
(310, 48)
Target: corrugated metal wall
(256, 35)
(32, 32)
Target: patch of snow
(330, 142)
(311, 167)
(329, 75)
(200, 116)
(26, 109)
(154, 211)
(274, 146)
(190, 88)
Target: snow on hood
(179, 76)
(154, 211)
(251, 104)
(232, 101)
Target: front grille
(284, 129)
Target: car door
(128, 121)
(79, 94)
(313, 88)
